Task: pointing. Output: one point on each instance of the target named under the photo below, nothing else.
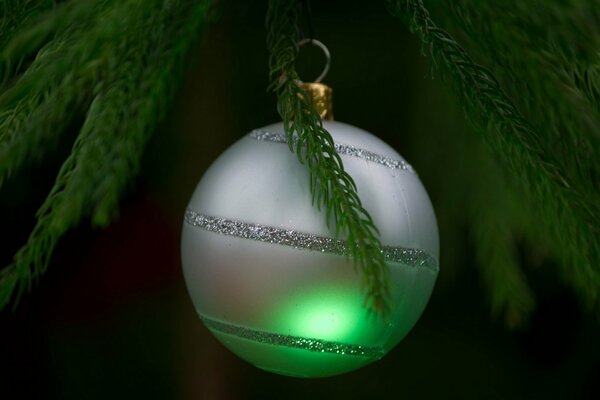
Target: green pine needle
(549, 142)
(120, 63)
(14, 13)
(331, 186)
(538, 44)
(116, 64)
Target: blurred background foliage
(111, 318)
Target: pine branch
(521, 48)
(41, 26)
(155, 92)
(42, 101)
(138, 65)
(538, 46)
(331, 187)
(14, 13)
(495, 218)
(568, 205)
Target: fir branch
(567, 203)
(48, 95)
(538, 46)
(331, 187)
(155, 92)
(142, 60)
(40, 28)
(13, 14)
(522, 48)
(495, 218)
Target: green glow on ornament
(315, 332)
(325, 323)
(322, 329)
(325, 315)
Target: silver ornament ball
(269, 278)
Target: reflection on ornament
(269, 278)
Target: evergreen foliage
(331, 187)
(541, 120)
(118, 64)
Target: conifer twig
(567, 206)
(132, 57)
(331, 187)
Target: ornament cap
(320, 96)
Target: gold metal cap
(320, 96)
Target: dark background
(111, 317)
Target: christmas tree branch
(128, 63)
(331, 186)
(44, 99)
(538, 149)
(14, 13)
(542, 52)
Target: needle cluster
(331, 187)
(116, 66)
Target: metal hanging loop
(325, 50)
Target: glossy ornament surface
(269, 278)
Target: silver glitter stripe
(352, 151)
(299, 240)
(317, 345)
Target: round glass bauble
(269, 278)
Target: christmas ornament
(267, 275)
